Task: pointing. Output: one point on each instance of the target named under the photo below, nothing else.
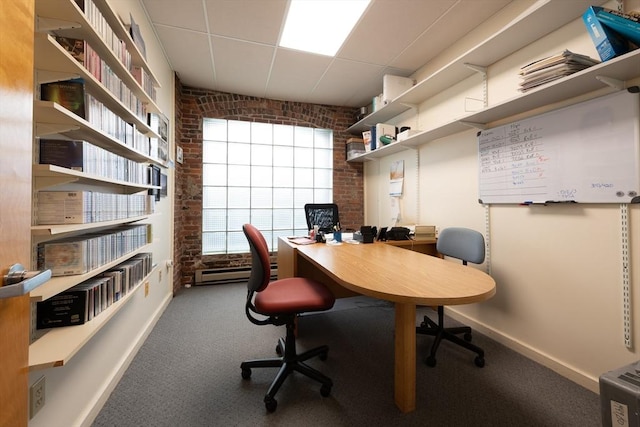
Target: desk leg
(405, 357)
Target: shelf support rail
(626, 288)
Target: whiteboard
(585, 153)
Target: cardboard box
(366, 139)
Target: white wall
(557, 268)
(76, 392)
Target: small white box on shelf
(407, 134)
(394, 86)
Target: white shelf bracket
(478, 68)
(411, 106)
(481, 126)
(45, 25)
(611, 82)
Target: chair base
(288, 362)
(437, 330)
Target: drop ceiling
(232, 46)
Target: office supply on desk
(265, 298)
(323, 215)
(366, 234)
(587, 153)
(349, 270)
(468, 246)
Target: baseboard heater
(221, 276)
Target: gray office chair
(468, 246)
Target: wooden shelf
(57, 346)
(51, 175)
(538, 21)
(60, 229)
(65, 18)
(52, 118)
(61, 283)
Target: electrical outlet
(146, 288)
(36, 396)
(159, 275)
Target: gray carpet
(187, 373)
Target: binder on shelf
(626, 25)
(608, 43)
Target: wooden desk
(388, 272)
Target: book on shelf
(75, 47)
(85, 207)
(159, 147)
(85, 157)
(627, 25)
(65, 309)
(86, 300)
(136, 36)
(553, 67)
(82, 254)
(69, 93)
(608, 43)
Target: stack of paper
(552, 68)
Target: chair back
(260, 261)
(461, 243)
(324, 215)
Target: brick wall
(192, 105)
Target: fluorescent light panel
(320, 26)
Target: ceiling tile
(295, 74)
(345, 83)
(189, 55)
(241, 67)
(253, 20)
(187, 14)
(453, 25)
(388, 27)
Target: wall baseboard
(567, 371)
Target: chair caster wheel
(468, 337)
(479, 361)
(270, 403)
(430, 361)
(279, 350)
(246, 373)
(325, 390)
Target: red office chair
(281, 301)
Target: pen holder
(337, 236)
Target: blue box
(607, 42)
(627, 26)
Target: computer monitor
(324, 215)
